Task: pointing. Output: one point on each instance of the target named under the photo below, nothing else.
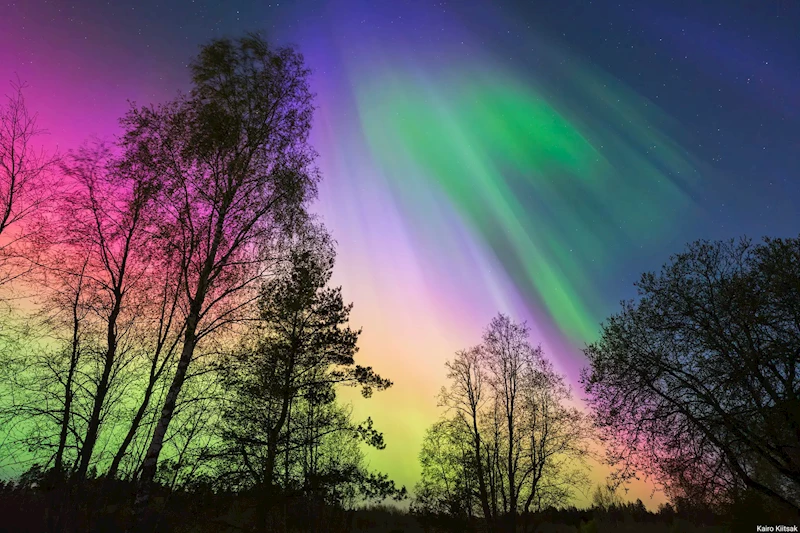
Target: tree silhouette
(283, 379)
(697, 382)
(448, 485)
(28, 183)
(232, 167)
(109, 220)
(512, 443)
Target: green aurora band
(550, 181)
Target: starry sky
(525, 157)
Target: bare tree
(27, 184)
(528, 446)
(46, 376)
(555, 439)
(77, 312)
(108, 218)
(466, 397)
(508, 355)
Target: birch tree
(234, 171)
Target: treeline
(168, 321)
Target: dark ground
(102, 506)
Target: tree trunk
(102, 389)
(68, 394)
(155, 374)
(157, 442)
(487, 511)
(512, 477)
(190, 340)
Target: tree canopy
(697, 382)
(509, 443)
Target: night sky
(526, 157)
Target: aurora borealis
(543, 193)
(527, 158)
